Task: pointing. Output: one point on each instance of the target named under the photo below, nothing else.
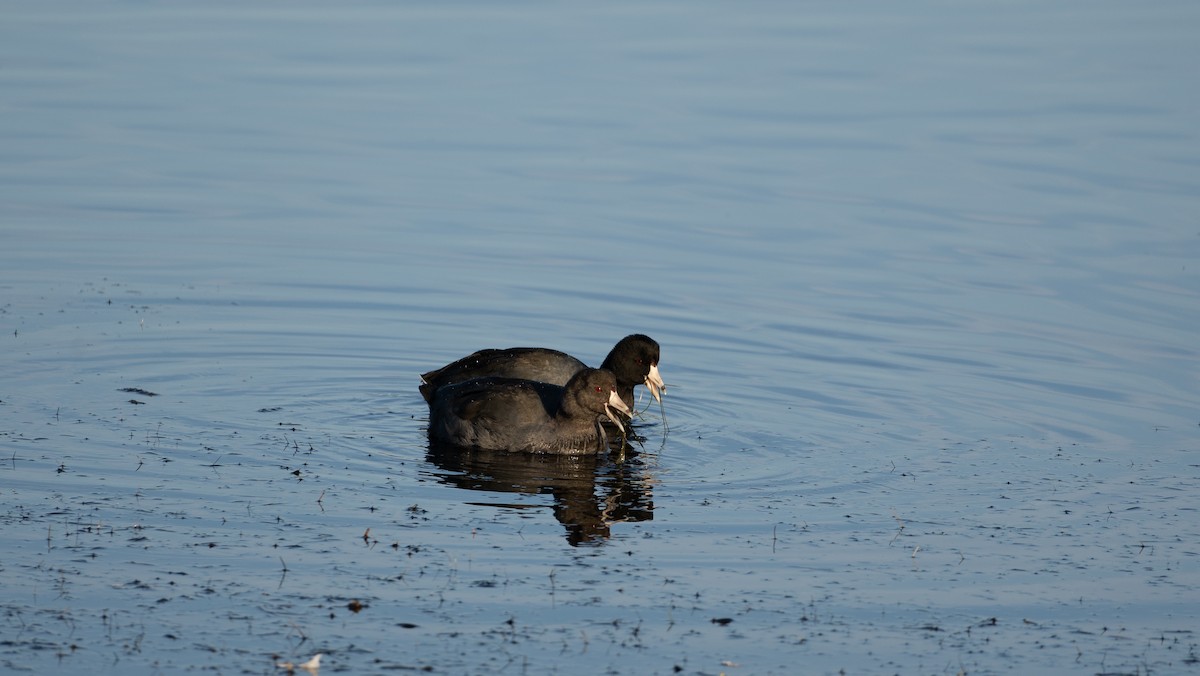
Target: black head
(632, 358)
(593, 392)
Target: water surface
(924, 278)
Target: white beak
(654, 383)
(615, 402)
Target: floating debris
(311, 666)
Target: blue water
(924, 277)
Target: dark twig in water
(899, 531)
(303, 636)
(152, 438)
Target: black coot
(633, 360)
(510, 414)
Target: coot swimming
(512, 414)
(633, 360)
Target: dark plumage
(633, 360)
(511, 414)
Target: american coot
(511, 414)
(633, 360)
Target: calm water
(925, 277)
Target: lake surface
(925, 278)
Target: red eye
(599, 389)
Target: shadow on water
(590, 493)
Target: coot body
(633, 361)
(512, 414)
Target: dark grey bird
(633, 360)
(512, 414)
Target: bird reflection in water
(590, 492)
